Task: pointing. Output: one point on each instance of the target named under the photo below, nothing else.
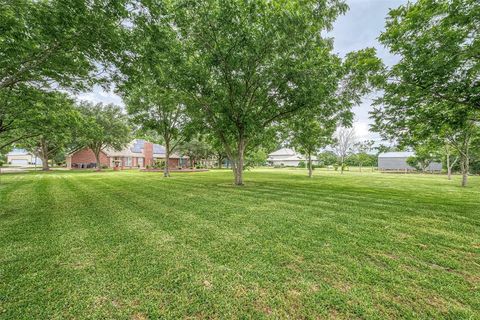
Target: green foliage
(197, 149)
(433, 91)
(60, 42)
(361, 159)
(301, 164)
(47, 45)
(256, 158)
(245, 66)
(51, 126)
(327, 158)
(105, 126)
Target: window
(140, 162)
(128, 161)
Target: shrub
(1, 163)
(301, 164)
(104, 166)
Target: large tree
(149, 82)
(309, 135)
(248, 65)
(66, 43)
(435, 86)
(51, 126)
(158, 109)
(46, 45)
(105, 126)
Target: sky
(357, 29)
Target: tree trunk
(97, 158)
(220, 158)
(360, 164)
(238, 163)
(45, 166)
(464, 166)
(166, 170)
(44, 155)
(341, 165)
(310, 169)
(449, 169)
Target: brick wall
(87, 156)
(173, 163)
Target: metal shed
(397, 161)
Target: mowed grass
(132, 245)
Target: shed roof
(400, 154)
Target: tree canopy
(434, 89)
(105, 126)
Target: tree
(105, 126)
(434, 88)
(344, 144)
(245, 66)
(437, 41)
(363, 149)
(196, 150)
(51, 126)
(425, 154)
(156, 109)
(150, 87)
(64, 43)
(47, 45)
(327, 158)
(308, 136)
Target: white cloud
(100, 95)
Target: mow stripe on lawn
(135, 245)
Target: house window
(128, 161)
(140, 162)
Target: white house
(22, 157)
(287, 157)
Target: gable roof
(400, 154)
(283, 152)
(139, 144)
(18, 152)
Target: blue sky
(357, 29)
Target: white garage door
(19, 162)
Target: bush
(1, 163)
(335, 166)
(301, 164)
(104, 166)
(159, 164)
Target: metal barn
(397, 161)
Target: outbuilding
(397, 161)
(21, 157)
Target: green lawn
(131, 245)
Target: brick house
(138, 154)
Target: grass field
(131, 245)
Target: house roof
(290, 154)
(283, 152)
(18, 152)
(401, 154)
(139, 144)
